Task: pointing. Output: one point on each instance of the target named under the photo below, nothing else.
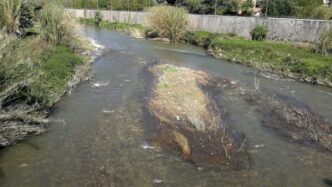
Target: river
(102, 131)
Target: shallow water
(102, 140)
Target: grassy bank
(41, 58)
(136, 30)
(285, 59)
(46, 68)
(297, 61)
(34, 75)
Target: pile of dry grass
(300, 124)
(190, 119)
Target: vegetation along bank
(307, 62)
(41, 59)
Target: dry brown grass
(59, 27)
(178, 97)
(190, 119)
(10, 15)
(300, 124)
(168, 21)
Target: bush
(26, 15)
(305, 7)
(280, 8)
(232, 7)
(98, 17)
(259, 33)
(322, 12)
(204, 39)
(199, 38)
(194, 6)
(247, 7)
(10, 11)
(324, 45)
(58, 26)
(170, 22)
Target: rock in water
(328, 182)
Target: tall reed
(168, 21)
(10, 11)
(58, 26)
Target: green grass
(169, 69)
(281, 58)
(203, 38)
(278, 57)
(57, 69)
(46, 68)
(116, 26)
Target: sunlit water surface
(102, 140)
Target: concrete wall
(296, 30)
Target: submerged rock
(328, 182)
(191, 120)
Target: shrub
(324, 46)
(305, 7)
(232, 6)
(280, 8)
(98, 17)
(58, 26)
(322, 12)
(26, 15)
(199, 38)
(10, 11)
(194, 6)
(247, 7)
(168, 21)
(259, 33)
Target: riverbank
(287, 60)
(135, 30)
(34, 75)
(42, 57)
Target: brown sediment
(190, 120)
(300, 124)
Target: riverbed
(101, 132)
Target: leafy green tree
(279, 8)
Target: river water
(102, 135)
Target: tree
(279, 8)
